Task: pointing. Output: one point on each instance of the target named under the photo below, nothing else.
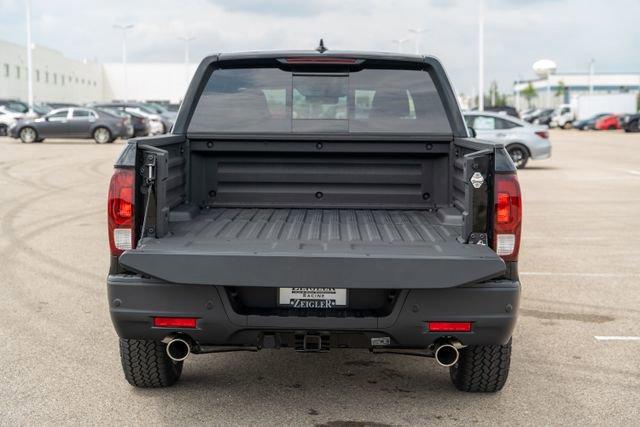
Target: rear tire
(147, 365)
(482, 368)
(102, 135)
(28, 135)
(519, 155)
(567, 125)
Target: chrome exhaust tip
(178, 349)
(447, 354)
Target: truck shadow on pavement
(313, 388)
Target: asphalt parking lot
(580, 268)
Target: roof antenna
(321, 47)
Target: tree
(561, 89)
(494, 98)
(529, 93)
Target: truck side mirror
(472, 132)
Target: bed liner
(355, 248)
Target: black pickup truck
(316, 201)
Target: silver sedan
(522, 140)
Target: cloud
(518, 32)
(279, 8)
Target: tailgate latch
(478, 239)
(149, 170)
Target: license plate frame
(315, 298)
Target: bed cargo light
(508, 216)
(120, 211)
(449, 326)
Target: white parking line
(576, 274)
(616, 338)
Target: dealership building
(567, 87)
(57, 78)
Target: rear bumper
(541, 149)
(491, 306)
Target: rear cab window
(274, 100)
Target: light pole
(29, 60)
(481, 56)
(186, 40)
(399, 43)
(418, 32)
(124, 29)
(548, 88)
(591, 62)
(517, 87)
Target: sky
(517, 32)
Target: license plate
(312, 297)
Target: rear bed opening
(350, 173)
(296, 213)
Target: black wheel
(147, 365)
(567, 125)
(102, 135)
(482, 368)
(28, 135)
(3, 130)
(519, 155)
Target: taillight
(121, 211)
(508, 216)
(542, 134)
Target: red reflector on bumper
(449, 326)
(174, 322)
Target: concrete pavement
(580, 268)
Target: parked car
(544, 118)
(526, 112)
(19, 107)
(173, 108)
(610, 122)
(511, 111)
(522, 140)
(589, 123)
(139, 122)
(631, 123)
(158, 124)
(321, 225)
(563, 117)
(100, 125)
(162, 110)
(57, 105)
(8, 119)
(533, 117)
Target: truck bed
(356, 248)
